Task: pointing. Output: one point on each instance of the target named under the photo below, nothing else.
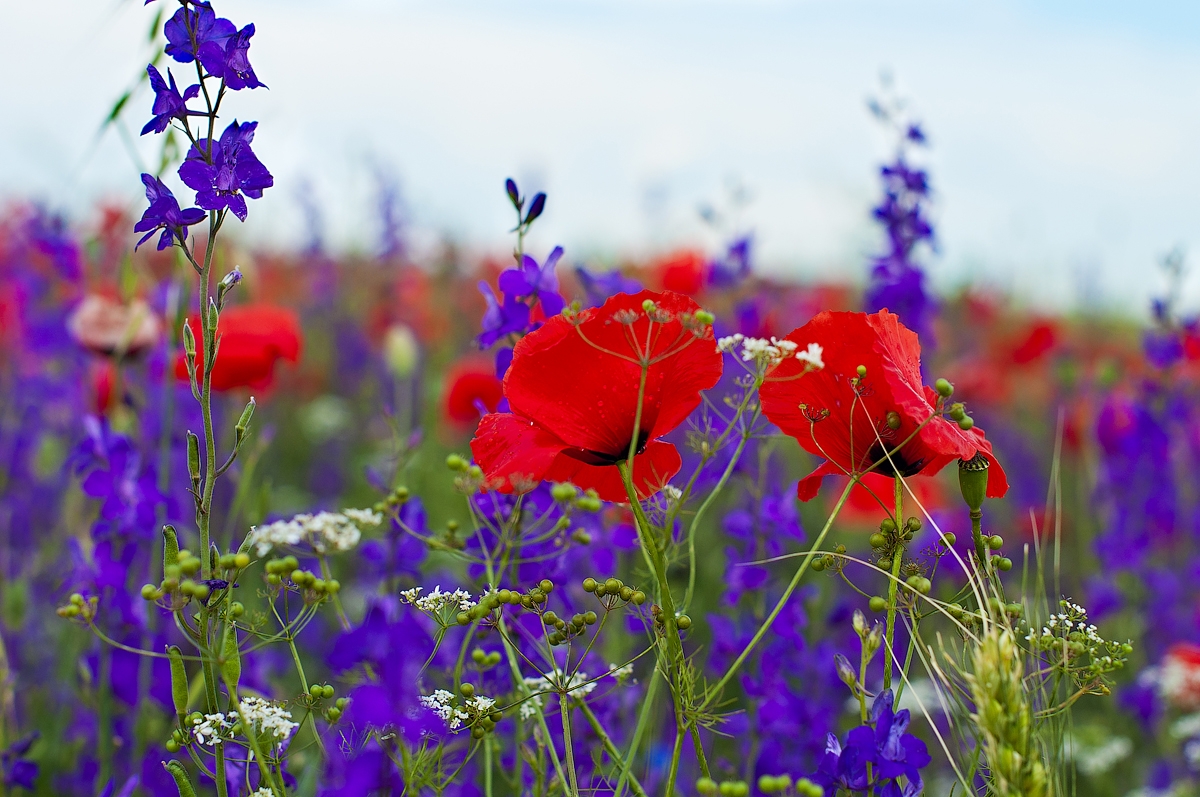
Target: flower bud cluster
(1074, 644)
(475, 712)
(79, 608)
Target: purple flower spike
(203, 22)
(168, 102)
(164, 214)
(233, 173)
(230, 60)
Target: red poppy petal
(652, 469)
(997, 484)
(580, 378)
(810, 485)
(507, 446)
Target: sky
(1063, 135)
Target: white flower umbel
(440, 703)
(324, 532)
(767, 353)
(211, 728)
(267, 717)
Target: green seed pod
(231, 666)
(948, 539)
(478, 732)
(170, 547)
(861, 371)
(327, 691)
(315, 690)
(878, 604)
(546, 585)
(973, 479)
(149, 592)
(193, 457)
(683, 622)
(1003, 563)
(456, 463)
(877, 540)
(244, 422)
(241, 560)
(466, 689)
(478, 656)
(888, 526)
(179, 682)
(944, 388)
(183, 784)
(913, 524)
(626, 593)
(995, 542)
(966, 424)
(893, 420)
(612, 586)
(885, 564)
(706, 786)
(462, 618)
(590, 617)
(818, 564)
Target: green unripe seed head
(637, 598)
(878, 604)
(683, 622)
(466, 689)
(944, 388)
(462, 618)
(706, 786)
(589, 585)
(149, 592)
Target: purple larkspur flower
(734, 266)
(500, 320)
(198, 24)
(229, 59)
(164, 214)
(883, 743)
(599, 287)
(534, 281)
(233, 173)
(168, 102)
(15, 768)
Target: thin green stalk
(715, 690)
(674, 771)
(634, 784)
(638, 731)
(568, 744)
(894, 584)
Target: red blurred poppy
(253, 337)
(102, 377)
(853, 421)
(573, 388)
(1179, 676)
(1038, 339)
(681, 271)
(473, 390)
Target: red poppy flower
(681, 271)
(852, 421)
(473, 390)
(253, 337)
(573, 390)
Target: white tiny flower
(812, 356)
(364, 517)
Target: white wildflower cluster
(621, 674)
(1073, 619)
(263, 792)
(267, 717)
(1070, 641)
(211, 728)
(436, 602)
(324, 531)
(476, 708)
(1099, 758)
(767, 353)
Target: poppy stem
(893, 584)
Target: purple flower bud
(536, 207)
(511, 187)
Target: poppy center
(590, 456)
(897, 464)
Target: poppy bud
(944, 388)
(535, 207)
(973, 479)
(179, 682)
(510, 187)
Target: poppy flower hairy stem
(894, 586)
(715, 691)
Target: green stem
(674, 771)
(638, 732)
(715, 691)
(634, 785)
(894, 585)
(568, 745)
